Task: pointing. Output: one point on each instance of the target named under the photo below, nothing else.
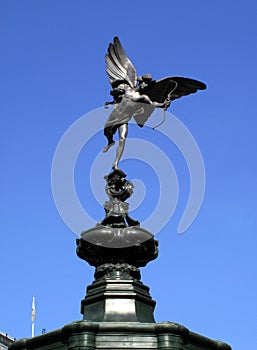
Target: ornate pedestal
(117, 293)
(118, 309)
(117, 247)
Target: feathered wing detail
(168, 89)
(186, 86)
(172, 88)
(118, 65)
(159, 90)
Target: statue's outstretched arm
(147, 99)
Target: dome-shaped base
(105, 244)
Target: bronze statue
(137, 96)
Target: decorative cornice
(80, 327)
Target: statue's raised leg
(109, 131)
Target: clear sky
(52, 73)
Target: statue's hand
(166, 104)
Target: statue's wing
(166, 90)
(172, 88)
(186, 86)
(118, 66)
(159, 90)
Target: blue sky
(52, 73)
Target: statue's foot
(106, 148)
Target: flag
(33, 310)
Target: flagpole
(33, 316)
(32, 330)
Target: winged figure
(137, 96)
